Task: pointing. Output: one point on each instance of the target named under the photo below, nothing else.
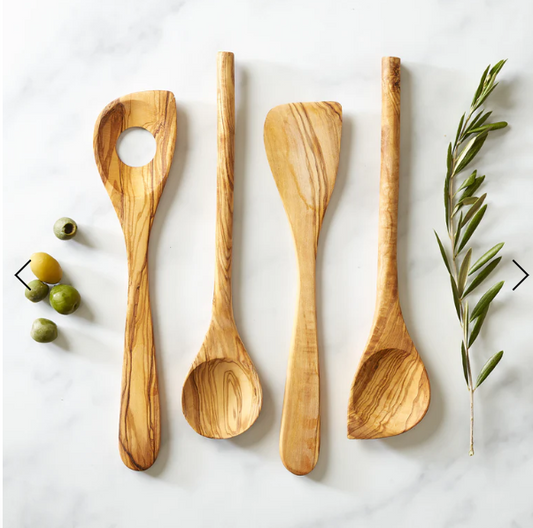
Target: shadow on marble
(83, 239)
(165, 204)
(84, 345)
(108, 242)
(62, 342)
(266, 417)
(320, 471)
(435, 415)
(85, 311)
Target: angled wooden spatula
(390, 392)
(302, 142)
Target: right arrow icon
(526, 275)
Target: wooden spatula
(302, 142)
(135, 193)
(390, 392)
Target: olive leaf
(470, 200)
(449, 162)
(456, 297)
(489, 366)
(487, 298)
(471, 189)
(463, 273)
(459, 128)
(449, 159)
(477, 327)
(471, 227)
(485, 257)
(465, 318)
(480, 86)
(466, 367)
(497, 67)
(443, 253)
(485, 94)
(481, 276)
(467, 200)
(463, 154)
(475, 147)
(469, 181)
(458, 235)
(474, 209)
(447, 201)
(489, 127)
(477, 122)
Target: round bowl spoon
(222, 396)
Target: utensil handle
(300, 421)
(140, 426)
(390, 178)
(222, 299)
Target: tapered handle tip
(225, 55)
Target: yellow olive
(46, 268)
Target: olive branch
(464, 212)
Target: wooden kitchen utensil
(302, 142)
(222, 396)
(390, 392)
(135, 193)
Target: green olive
(64, 299)
(65, 228)
(38, 291)
(43, 330)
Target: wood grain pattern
(302, 142)
(222, 396)
(135, 193)
(390, 393)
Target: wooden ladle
(222, 396)
(390, 392)
(302, 142)
(135, 193)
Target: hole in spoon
(136, 147)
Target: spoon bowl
(388, 395)
(222, 396)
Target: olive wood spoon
(390, 392)
(135, 194)
(222, 396)
(302, 142)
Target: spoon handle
(222, 299)
(390, 180)
(300, 420)
(140, 428)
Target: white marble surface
(64, 61)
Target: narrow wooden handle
(140, 427)
(390, 177)
(300, 421)
(222, 300)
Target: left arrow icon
(17, 274)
